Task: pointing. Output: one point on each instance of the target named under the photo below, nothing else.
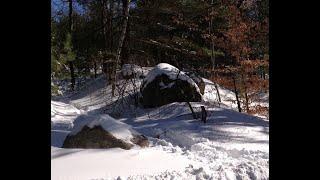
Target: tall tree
(122, 36)
(70, 62)
(213, 57)
(125, 48)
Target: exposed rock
(103, 131)
(166, 84)
(94, 138)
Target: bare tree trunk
(182, 92)
(245, 92)
(122, 36)
(95, 69)
(236, 92)
(263, 73)
(193, 114)
(106, 18)
(110, 45)
(70, 16)
(110, 24)
(104, 22)
(203, 114)
(125, 48)
(73, 79)
(217, 89)
(71, 66)
(105, 36)
(213, 57)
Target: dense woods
(226, 41)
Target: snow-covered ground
(111, 163)
(231, 145)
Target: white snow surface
(63, 114)
(172, 72)
(84, 164)
(231, 145)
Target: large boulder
(165, 84)
(104, 132)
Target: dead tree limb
(122, 36)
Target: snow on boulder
(198, 80)
(165, 84)
(129, 71)
(103, 131)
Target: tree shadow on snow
(176, 117)
(214, 129)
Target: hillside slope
(231, 145)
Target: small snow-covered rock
(103, 131)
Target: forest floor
(231, 145)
